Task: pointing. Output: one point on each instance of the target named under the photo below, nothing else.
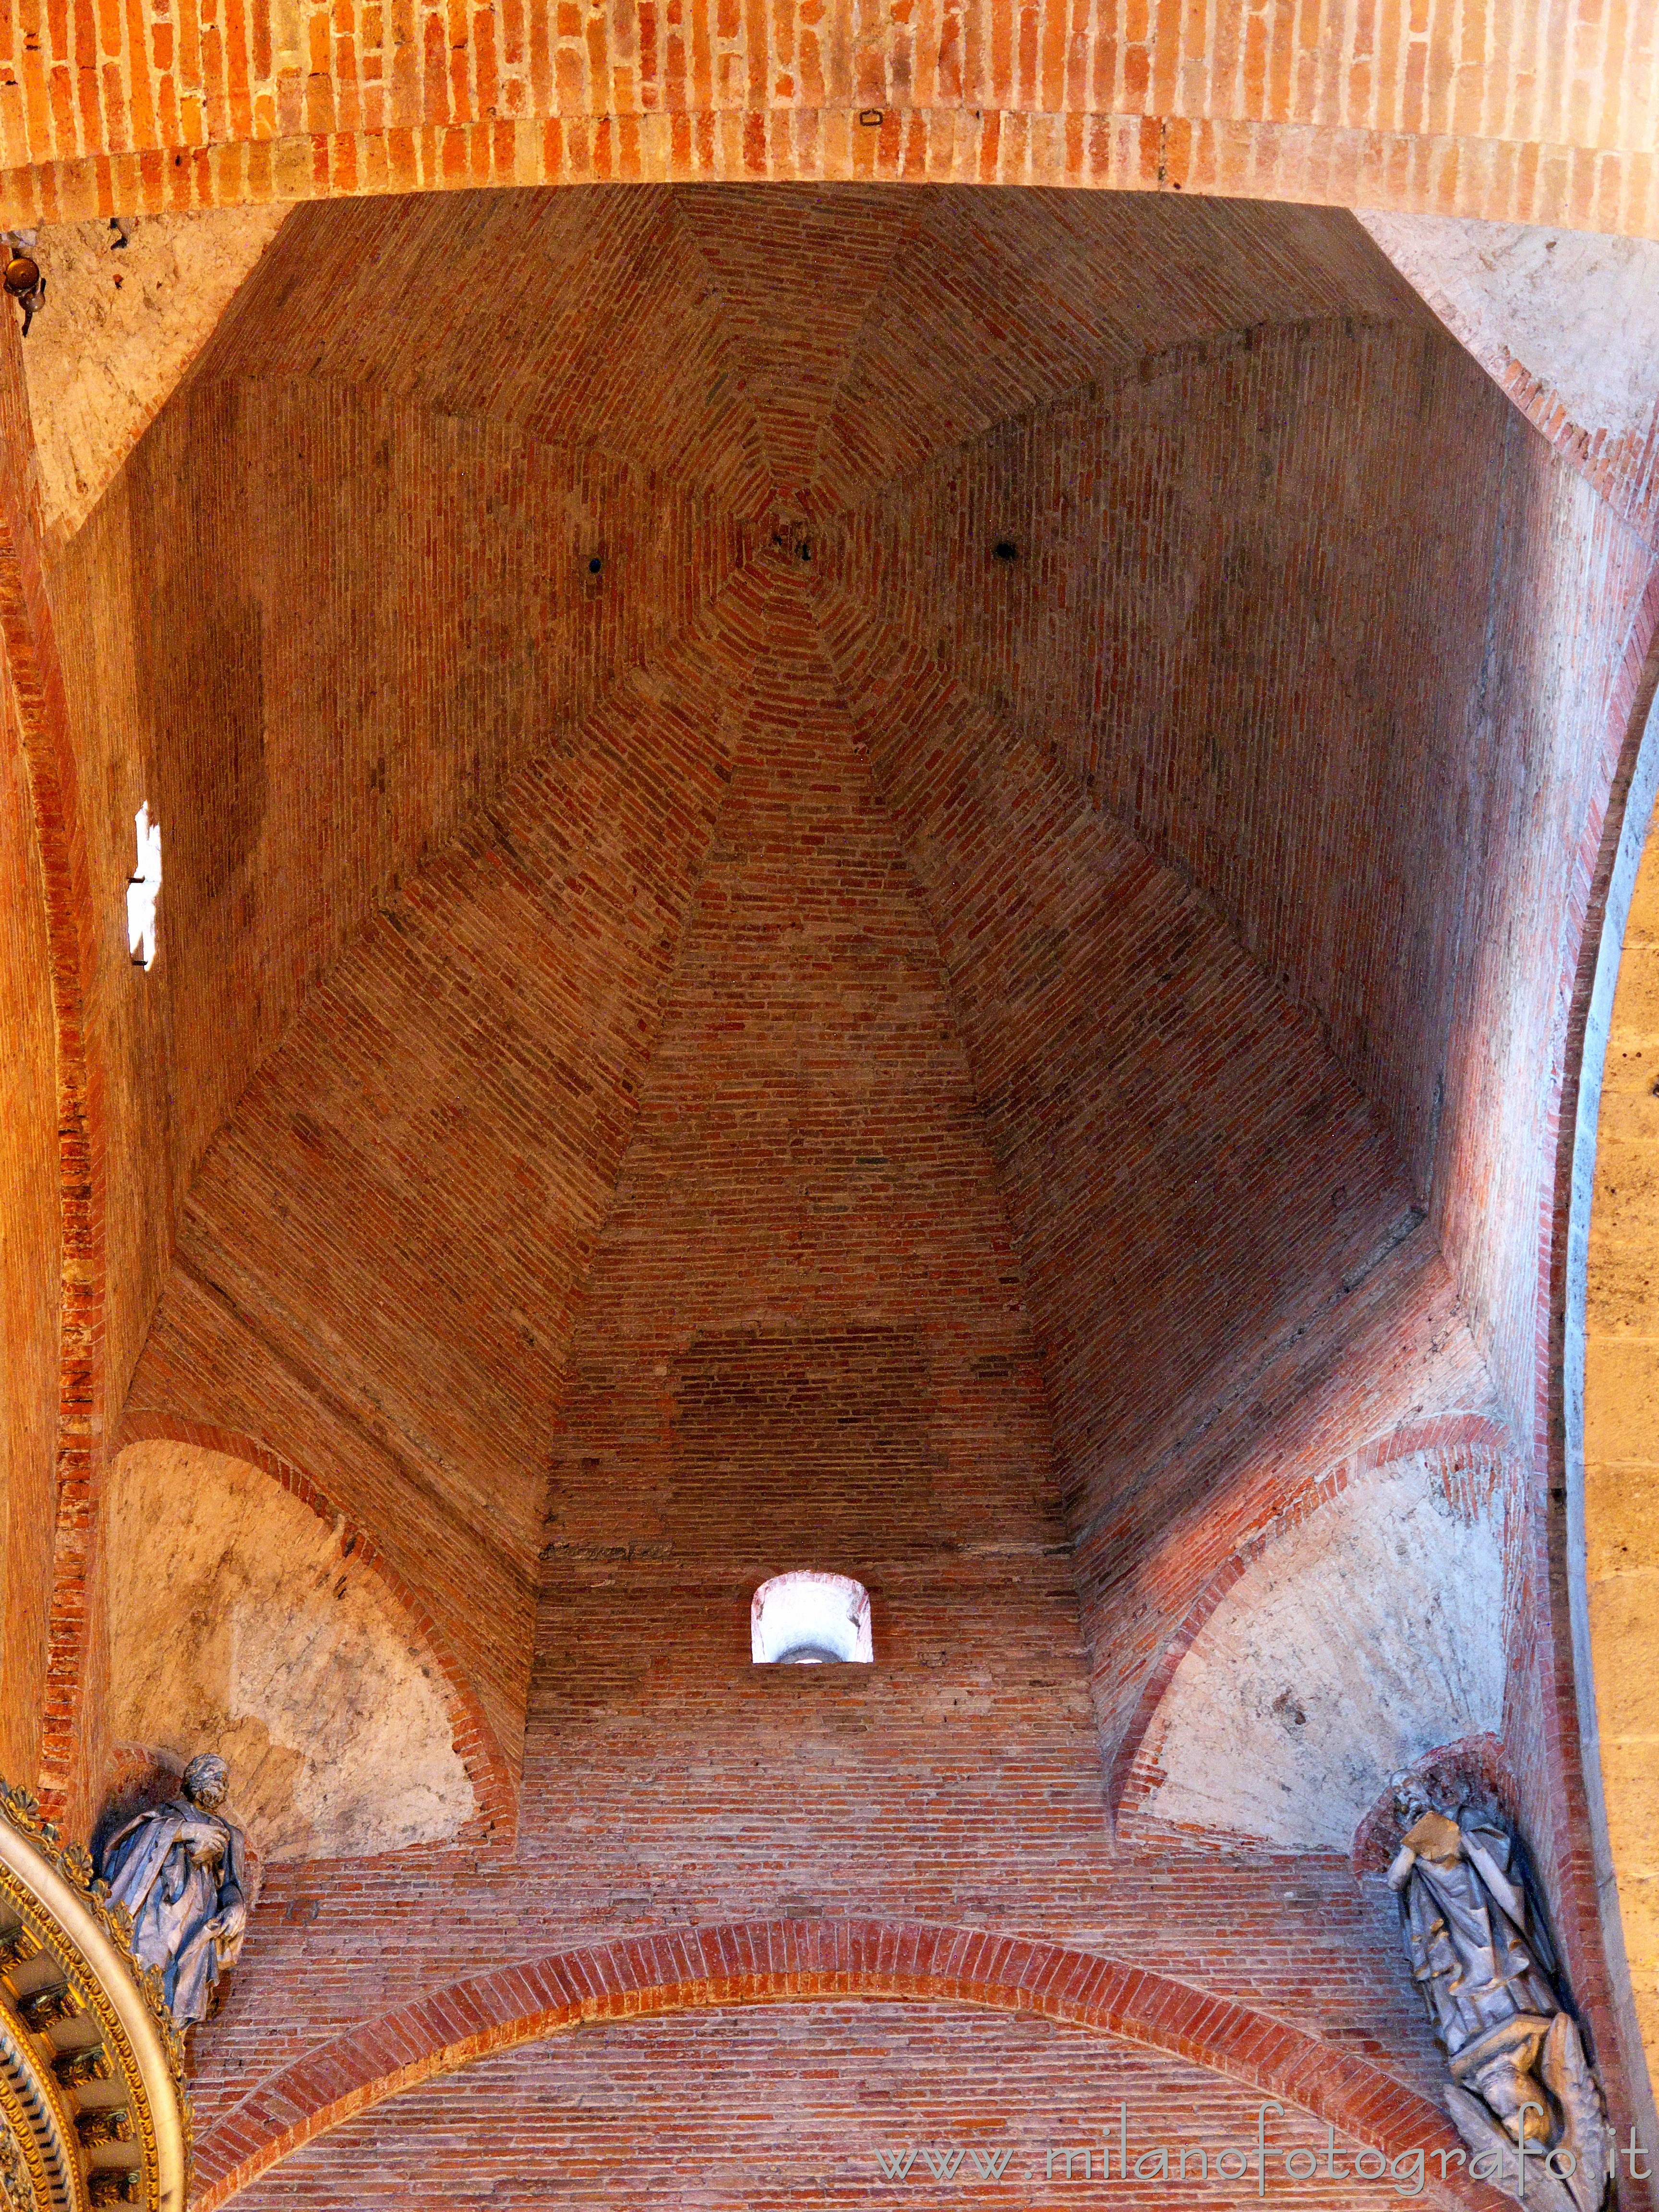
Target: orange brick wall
(399, 514)
(1200, 643)
(55, 1148)
(1509, 111)
(1311, 2065)
(28, 1269)
(802, 1342)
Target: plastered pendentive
(120, 326)
(1369, 1635)
(238, 1624)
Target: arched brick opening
(475, 1746)
(789, 1961)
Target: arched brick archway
(475, 1743)
(1383, 108)
(797, 1962)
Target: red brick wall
(764, 341)
(29, 1268)
(634, 373)
(802, 1342)
(789, 2106)
(1324, 2016)
(1349, 777)
(1202, 640)
(1384, 795)
(454, 1105)
(55, 1186)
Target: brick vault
(887, 878)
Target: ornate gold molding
(93, 2105)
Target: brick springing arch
(1486, 114)
(801, 1961)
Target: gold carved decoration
(93, 2107)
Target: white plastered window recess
(806, 1619)
(144, 889)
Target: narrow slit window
(805, 1618)
(144, 889)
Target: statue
(181, 1871)
(1482, 1959)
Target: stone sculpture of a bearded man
(181, 1871)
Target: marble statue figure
(180, 1869)
(1484, 1963)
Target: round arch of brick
(119, 109)
(1466, 1444)
(495, 1821)
(800, 1962)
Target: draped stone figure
(1473, 1926)
(181, 1871)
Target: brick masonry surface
(804, 1960)
(1502, 109)
(791, 2105)
(812, 1042)
(28, 1266)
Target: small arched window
(809, 1619)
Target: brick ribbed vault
(1507, 112)
(781, 1962)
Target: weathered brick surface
(1497, 110)
(336, 1947)
(375, 696)
(489, 1771)
(975, 1035)
(1124, 645)
(52, 928)
(790, 2105)
(802, 1341)
(28, 1264)
(493, 1027)
(1469, 1454)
